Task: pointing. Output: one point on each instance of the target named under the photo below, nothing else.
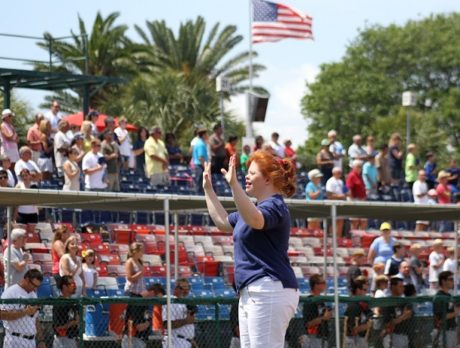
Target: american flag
(273, 22)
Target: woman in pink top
(9, 137)
(61, 234)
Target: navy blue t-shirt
(261, 253)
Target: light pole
(409, 99)
(222, 86)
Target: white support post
(168, 272)
(456, 257)
(325, 247)
(9, 218)
(336, 282)
(176, 247)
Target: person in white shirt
(94, 168)
(25, 153)
(54, 115)
(420, 194)
(335, 190)
(22, 326)
(356, 151)
(182, 318)
(61, 146)
(450, 264)
(277, 148)
(436, 260)
(125, 142)
(336, 148)
(18, 260)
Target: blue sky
(289, 63)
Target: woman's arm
(247, 210)
(59, 248)
(68, 170)
(130, 275)
(65, 265)
(215, 208)
(95, 275)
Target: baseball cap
(385, 226)
(314, 173)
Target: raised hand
(207, 179)
(230, 175)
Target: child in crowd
(449, 263)
(392, 265)
(89, 268)
(378, 270)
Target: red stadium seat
(33, 237)
(123, 236)
(102, 270)
(115, 270)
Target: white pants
(176, 342)
(264, 312)
(355, 342)
(64, 342)
(396, 341)
(307, 341)
(451, 338)
(132, 342)
(17, 342)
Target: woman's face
(255, 181)
(139, 253)
(73, 246)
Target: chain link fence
(212, 322)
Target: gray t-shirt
(17, 255)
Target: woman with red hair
(264, 277)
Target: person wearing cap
(9, 138)
(54, 115)
(436, 261)
(94, 167)
(356, 150)
(111, 152)
(358, 259)
(410, 168)
(395, 156)
(61, 145)
(314, 192)
(394, 262)
(430, 169)
(26, 162)
(357, 191)
(325, 161)
(125, 142)
(156, 158)
(19, 258)
(5, 164)
(336, 148)
(33, 137)
(370, 175)
(200, 157)
(381, 248)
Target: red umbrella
(77, 120)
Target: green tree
(358, 93)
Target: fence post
(81, 326)
(168, 272)
(218, 324)
(336, 283)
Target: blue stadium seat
(45, 290)
(224, 312)
(227, 293)
(96, 293)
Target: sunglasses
(34, 284)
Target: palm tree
(107, 50)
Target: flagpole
(249, 130)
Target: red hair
(280, 171)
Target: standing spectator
(395, 156)
(393, 263)
(109, 124)
(25, 214)
(358, 259)
(54, 115)
(430, 169)
(397, 318)
(381, 290)
(22, 325)
(406, 275)
(87, 133)
(383, 166)
(125, 142)
(416, 267)
(218, 153)
(410, 168)
(377, 271)
(93, 116)
(450, 264)
(355, 184)
(94, 166)
(175, 156)
(420, 194)
(9, 138)
(71, 171)
(357, 320)
(381, 248)
(336, 148)
(277, 148)
(325, 161)
(356, 150)
(19, 258)
(33, 137)
(454, 172)
(89, 268)
(316, 316)
(314, 192)
(66, 317)
(157, 317)
(261, 234)
(445, 313)
(289, 152)
(70, 265)
(156, 158)
(77, 144)
(199, 158)
(258, 143)
(45, 161)
(370, 175)
(61, 146)
(335, 189)
(381, 285)
(111, 153)
(231, 150)
(370, 145)
(5, 165)
(182, 318)
(138, 149)
(436, 261)
(444, 197)
(61, 234)
(244, 158)
(134, 267)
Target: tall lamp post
(222, 86)
(409, 99)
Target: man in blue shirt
(370, 175)
(199, 157)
